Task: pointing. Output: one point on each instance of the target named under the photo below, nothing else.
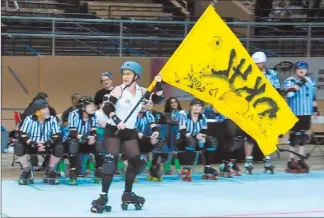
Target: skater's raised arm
(158, 95)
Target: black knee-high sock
(130, 177)
(73, 162)
(189, 157)
(209, 157)
(99, 160)
(106, 182)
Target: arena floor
(258, 195)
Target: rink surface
(258, 195)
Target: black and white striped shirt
(37, 131)
(82, 127)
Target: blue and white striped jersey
(191, 126)
(76, 122)
(143, 122)
(302, 102)
(273, 77)
(38, 131)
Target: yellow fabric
(213, 65)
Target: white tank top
(125, 105)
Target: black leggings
(126, 143)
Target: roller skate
(186, 174)
(155, 174)
(210, 173)
(100, 204)
(50, 177)
(132, 198)
(248, 166)
(73, 177)
(268, 166)
(302, 167)
(97, 175)
(292, 166)
(225, 169)
(26, 177)
(234, 168)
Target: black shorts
(303, 123)
(123, 135)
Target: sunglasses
(146, 102)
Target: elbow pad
(109, 105)
(24, 137)
(73, 134)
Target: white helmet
(259, 57)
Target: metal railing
(277, 38)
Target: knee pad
(73, 147)
(110, 164)
(58, 150)
(19, 149)
(237, 143)
(99, 147)
(295, 138)
(137, 164)
(34, 159)
(191, 143)
(212, 143)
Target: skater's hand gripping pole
(149, 89)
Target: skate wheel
(124, 206)
(189, 179)
(204, 177)
(31, 181)
(108, 208)
(138, 207)
(96, 209)
(45, 181)
(149, 178)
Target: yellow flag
(212, 64)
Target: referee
(193, 135)
(106, 80)
(39, 134)
(301, 98)
(260, 60)
(82, 136)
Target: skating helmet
(39, 104)
(197, 101)
(259, 57)
(301, 65)
(85, 100)
(133, 66)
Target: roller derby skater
(40, 134)
(301, 99)
(192, 136)
(260, 60)
(121, 132)
(82, 137)
(149, 139)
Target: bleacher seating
(139, 11)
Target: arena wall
(60, 76)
